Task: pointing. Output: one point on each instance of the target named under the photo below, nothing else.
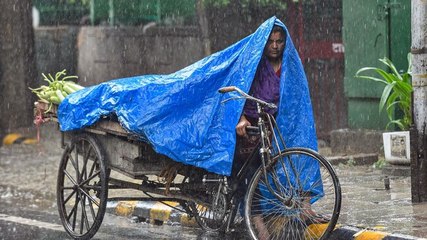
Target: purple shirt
(265, 86)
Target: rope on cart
(168, 174)
(38, 121)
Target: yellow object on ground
(16, 138)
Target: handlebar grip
(252, 130)
(227, 89)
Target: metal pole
(111, 12)
(158, 11)
(419, 83)
(301, 47)
(204, 26)
(92, 12)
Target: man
(267, 79)
(265, 86)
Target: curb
(157, 213)
(152, 212)
(355, 159)
(349, 232)
(16, 138)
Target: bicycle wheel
(212, 217)
(82, 187)
(298, 198)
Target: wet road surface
(28, 207)
(18, 221)
(28, 174)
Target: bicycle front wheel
(296, 196)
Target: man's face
(275, 45)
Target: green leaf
(373, 79)
(396, 122)
(396, 93)
(385, 95)
(387, 62)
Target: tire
(267, 217)
(82, 187)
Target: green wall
(132, 12)
(372, 29)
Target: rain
(364, 63)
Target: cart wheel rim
(82, 188)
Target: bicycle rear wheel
(306, 201)
(212, 215)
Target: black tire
(267, 217)
(82, 187)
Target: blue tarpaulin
(181, 114)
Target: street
(27, 215)
(24, 223)
(28, 208)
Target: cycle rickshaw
(276, 195)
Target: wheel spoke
(84, 220)
(73, 181)
(76, 204)
(92, 210)
(96, 174)
(76, 161)
(85, 160)
(88, 196)
(69, 196)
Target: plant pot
(397, 147)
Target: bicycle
(278, 204)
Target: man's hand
(241, 126)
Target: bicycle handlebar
(245, 95)
(227, 89)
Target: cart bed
(124, 151)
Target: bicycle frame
(266, 152)
(264, 149)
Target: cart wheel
(213, 216)
(82, 187)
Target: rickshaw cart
(90, 154)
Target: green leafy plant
(396, 94)
(380, 164)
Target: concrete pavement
(369, 209)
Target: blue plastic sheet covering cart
(181, 114)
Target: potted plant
(396, 99)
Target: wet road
(28, 207)
(27, 224)
(21, 220)
(366, 203)
(28, 186)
